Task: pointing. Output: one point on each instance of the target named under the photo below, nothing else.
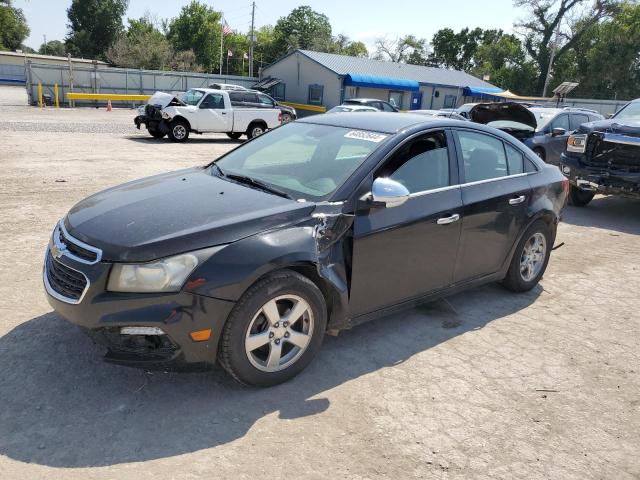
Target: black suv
(255, 99)
(372, 102)
(604, 157)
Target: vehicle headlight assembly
(165, 275)
(166, 116)
(577, 143)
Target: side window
(251, 98)
(386, 107)
(236, 97)
(213, 101)
(515, 160)
(484, 156)
(315, 94)
(421, 164)
(561, 121)
(578, 119)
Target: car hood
(630, 128)
(506, 111)
(162, 100)
(176, 212)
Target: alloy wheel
(279, 333)
(257, 131)
(179, 132)
(533, 256)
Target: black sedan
(317, 225)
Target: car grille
(65, 281)
(75, 249)
(612, 156)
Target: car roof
(384, 122)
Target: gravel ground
(487, 385)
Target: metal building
(324, 80)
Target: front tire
(530, 259)
(178, 131)
(579, 197)
(274, 331)
(156, 133)
(286, 118)
(234, 135)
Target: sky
(363, 21)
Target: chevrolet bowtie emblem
(56, 251)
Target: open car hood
(162, 100)
(506, 111)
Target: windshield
(630, 112)
(192, 97)
(543, 116)
(305, 160)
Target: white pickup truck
(202, 110)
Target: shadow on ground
(62, 406)
(192, 139)
(612, 213)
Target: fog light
(566, 169)
(141, 331)
(201, 335)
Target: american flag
(226, 29)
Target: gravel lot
(488, 385)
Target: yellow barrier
(107, 96)
(304, 106)
(55, 92)
(40, 94)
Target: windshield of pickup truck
(304, 160)
(630, 112)
(192, 97)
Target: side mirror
(558, 132)
(388, 192)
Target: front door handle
(449, 219)
(517, 200)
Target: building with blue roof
(323, 80)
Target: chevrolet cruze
(316, 226)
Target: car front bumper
(102, 314)
(599, 180)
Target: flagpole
(221, 42)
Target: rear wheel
(579, 197)
(530, 259)
(255, 130)
(179, 131)
(234, 135)
(274, 330)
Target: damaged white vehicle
(203, 110)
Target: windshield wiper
(255, 183)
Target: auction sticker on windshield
(364, 135)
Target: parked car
(320, 224)
(604, 157)
(448, 113)
(256, 99)
(203, 110)
(544, 130)
(372, 102)
(464, 110)
(227, 86)
(352, 108)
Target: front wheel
(234, 135)
(179, 131)
(286, 118)
(579, 197)
(530, 259)
(156, 133)
(274, 330)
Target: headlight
(166, 116)
(166, 275)
(577, 143)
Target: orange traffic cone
(109, 107)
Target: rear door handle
(517, 200)
(449, 219)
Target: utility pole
(252, 39)
(552, 57)
(45, 44)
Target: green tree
(303, 28)
(343, 45)
(13, 26)
(197, 28)
(142, 46)
(265, 50)
(238, 44)
(93, 26)
(53, 47)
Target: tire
(252, 366)
(234, 135)
(579, 197)
(156, 133)
(179, 131)
(286, 118)
(255, 130)
(519, 278)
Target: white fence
(100, 79)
